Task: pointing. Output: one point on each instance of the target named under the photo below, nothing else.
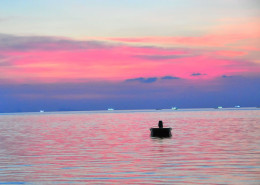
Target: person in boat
(160, 124)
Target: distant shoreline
(134, 110)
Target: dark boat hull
(161, 132)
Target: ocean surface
(208, 146)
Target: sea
(208, 146)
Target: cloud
(151, 80)
(143, 80)
(5, 63)
(23, 43)
(159, 57)
(226, 76)
(227, 33)
(210, 40)
(31, 59)
(197, 74)
(231, 53)
(170, 78)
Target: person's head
(160, 121)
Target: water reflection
(220, 147)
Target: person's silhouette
(160, 124)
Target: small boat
(219, 107)
(41, 111)
(237, 106)
(161, 132)
(174, 108)
(110, 109)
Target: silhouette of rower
(160, 124)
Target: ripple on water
(207, 147)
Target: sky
(63, 55)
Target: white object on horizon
(174, 108)
(237, 106)
(219, 107)
(41, 110)
(110, 109)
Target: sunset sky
(130, 54)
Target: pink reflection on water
(116, 148)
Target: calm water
(207, 147)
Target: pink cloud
(209, 40)
(231, 53)
(118, 62)
(223, 34)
